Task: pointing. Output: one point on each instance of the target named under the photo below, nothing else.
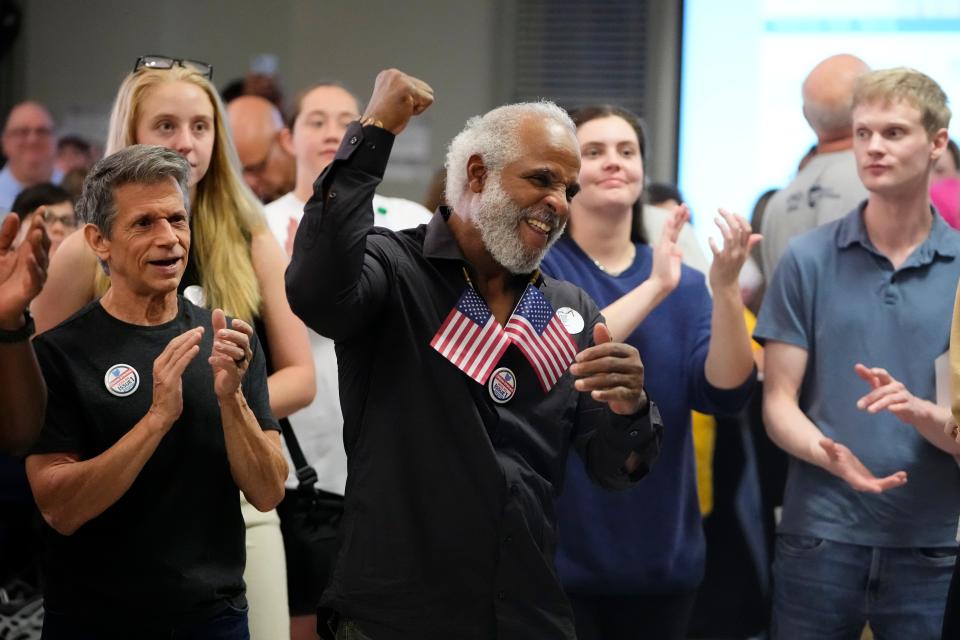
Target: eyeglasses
(163, 62)
(68, 220)
(24, 132)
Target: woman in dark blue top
(631, 561)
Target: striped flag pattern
(541, 337)
(471, 338)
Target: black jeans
(230, 624)
(651, 617)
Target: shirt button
(508, 539)
(514, 490)
(501, 595)
(354, 140)
(332, 195)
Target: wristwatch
(21, 334)
(368, 121)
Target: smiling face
(611, 173)
(894, 152)
(178, 115)
(523, 208)
(149, 239)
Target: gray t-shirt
(834, 295)
(826, 189)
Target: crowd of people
(248, 396)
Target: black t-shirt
(171, 549)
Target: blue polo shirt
(836, 296)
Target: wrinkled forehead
(542, 140)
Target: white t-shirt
(319, 426)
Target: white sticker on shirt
(196, 295)
(121, 380)
(571, 319)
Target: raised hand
(667, 255)
(231, 354)
(23, 269)
(738, 240)
(842, 463)
(168, 371)
(396, 98)
(612, 372)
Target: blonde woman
(235, 264)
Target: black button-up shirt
(449, 529)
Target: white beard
(498, 219)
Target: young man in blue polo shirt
(855, 315)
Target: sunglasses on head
(163, 62)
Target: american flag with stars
(471, 338)
(541, 337)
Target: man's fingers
(219, 321)
(602, 381)
(601, 334)
(233, 351)
(830, 447)
(182, 342)
(8, 231)
(38, 231)
(867, 374)
(616, 394)
(179, 364)
(605, 349)
(892, 481)
(881, 404)
(242, 326)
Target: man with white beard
(465, 377)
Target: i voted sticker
(571, 319)
(502, 385)
(121, 380)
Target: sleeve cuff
(367, 147)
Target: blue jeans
(825, 590)
(230, 624)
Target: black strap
(306, 475)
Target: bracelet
(21, 334)
(369, 121)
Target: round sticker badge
(502, 385)
(121, 380)
(571, 319)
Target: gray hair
(136, 164)
(494, 137)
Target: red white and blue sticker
(502, 385)
(121, 380)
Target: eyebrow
(322, 112)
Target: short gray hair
(494, 138)
(136, 164)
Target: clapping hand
(231, 353)
(23, 269)
(612, 372)
(738, 240)
(667, 255)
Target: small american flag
(471, 338)
(541, 337)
